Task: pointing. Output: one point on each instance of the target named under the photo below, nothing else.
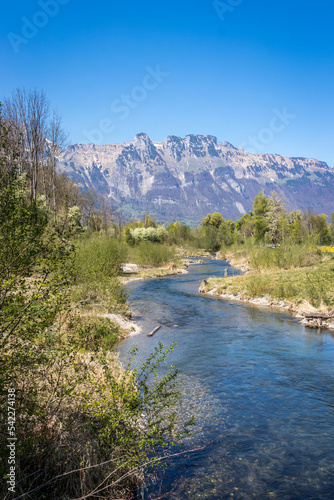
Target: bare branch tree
(27, 112)
(57, 139)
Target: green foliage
(180, 234)
(85, 424)
(270, 223)
(152, 254)
(159, 400)
(318, 228)
(97, 264)
(149, 221)
(297, 231)
(128, 238)
(99, 256)
(244, 228)
(275, 217)
(154, 234)
(260, 225)
(35, 270)
(284, 257)
(216, 232)
(75, 219)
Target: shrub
(153, 234)
(99, 256)
(153, 254)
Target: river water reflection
(260, 385)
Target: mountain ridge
(185, 178)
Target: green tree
(297, 229)
(75, 218)
(275, 215)
(216, 220)
(206, 221)
(260, 224)
(317, 228)
(244, 226)
(149, 221)
(225, 232)
(331, 227)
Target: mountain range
(185, 178)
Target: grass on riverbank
(277, 276)
(266, 258)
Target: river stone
(130, 268)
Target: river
(259, 384)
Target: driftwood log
(153, 331)
(319, 316)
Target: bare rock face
(184, 179)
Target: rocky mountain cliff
(184, 179)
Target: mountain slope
(186, 178)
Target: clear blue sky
(231, 71)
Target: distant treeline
(268, 223)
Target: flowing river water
(260, 385)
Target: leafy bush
(99, 256)
(154, 234)
(152, 254)
(97, 265)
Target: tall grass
(314, 284)
(282, 257)
(260, 286)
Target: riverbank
(307, 292)
(134, 272)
